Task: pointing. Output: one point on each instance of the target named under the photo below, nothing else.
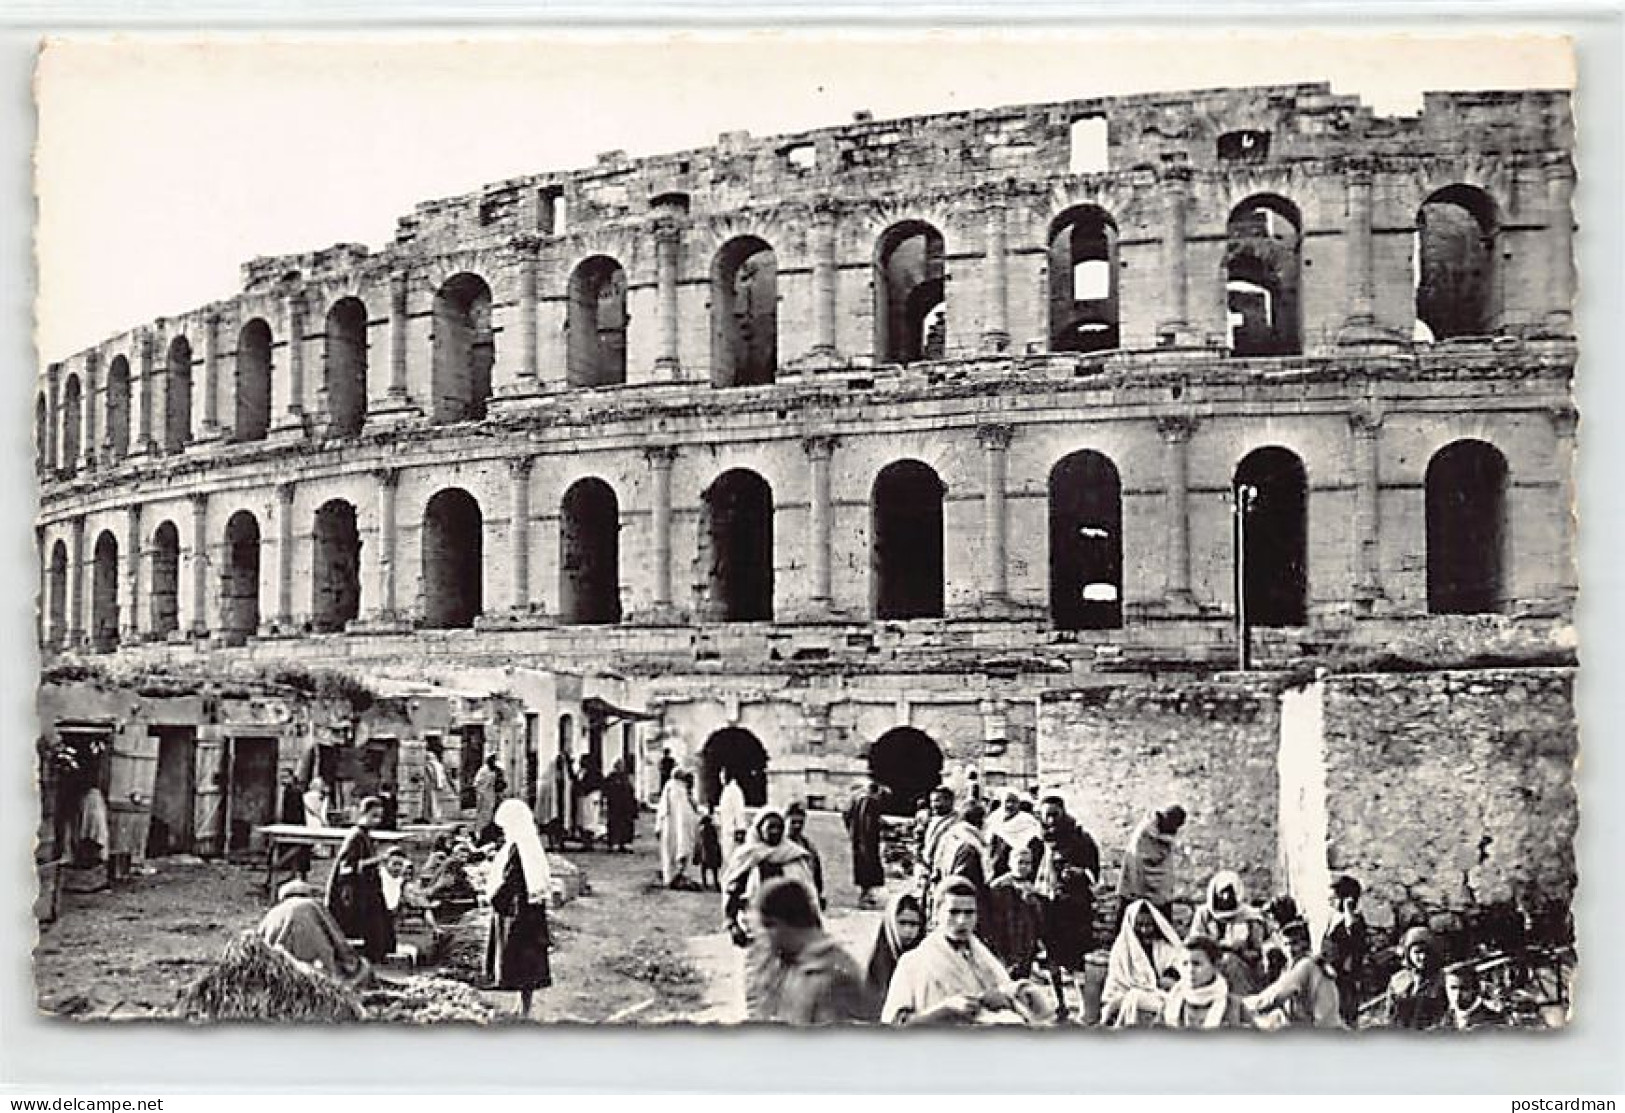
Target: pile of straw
(422, 999)
(255, 981)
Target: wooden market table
(279, 836)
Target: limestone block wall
(1453, 789)
(1117, 751)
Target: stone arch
(596, 323)
(1275, 569)
(744, 313)
(240, 594)
(907, 762)
(1083, 281)
(104, 623)
(336, 573)
(165, 598)
(452, 544)
(736, 534)
(178, 395)
(345, 369)
(1086, 543)
(57, 592)
(464, 349)
(589, 554)
(1465, 495)
(252, 420)
(73, 417)
(906, 539)
(909, 282)
(1263, 274)
(740, 753)
(1456, 260)
(118, 408)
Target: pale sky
(164, 164)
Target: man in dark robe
(1067, 873)
(355, 893)
(1148, 860)
(620, 807)
(863, 826)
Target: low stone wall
(1453, 790)
(1115, 752)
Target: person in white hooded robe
(677, 823)
(519, 888)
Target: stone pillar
(996, 338)
(1366, 426)
(1362, 290)
(211, 376)
(294, 420)
(660, 459)
(200, 565)
(826, 275)
(160, 401)
(819, 449)
(87, 449)
(1560, 242)
(144, 442)
(1176, 432)
(384, 610)
(131, 612)
(668, 249)
(53, 414)
(519, 532)
(1175, 187)
(76, 590)
(995, 441)
(529, 357)
(399, 331)
(1564, 420)
(284, 557)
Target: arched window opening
(73, 416)
(464, 350)
(1456, 293)
(1085, 543)
(1273, 484)
(453, 560)
(346, 367)
(907, 564)
(253, 418)
(589, 554)
(1466, 488)
(336, 575)
(1083, 309)
(909, 294)
(596, 322)
(738, 753)
(907, 763)
(736, 530)
(104, 594)
(42, 434)
(178, 395)
(1262, 270)
(165, 612)
(57, 588)
(744, 314)
(118, 409)
(241, 589)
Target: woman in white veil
(519, 888)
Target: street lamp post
(1246, 497)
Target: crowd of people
(999, 916)
(994, 923)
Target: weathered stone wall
(1453, 789)
(1117, 751)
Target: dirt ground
(629, 951)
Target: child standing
(708, 852)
